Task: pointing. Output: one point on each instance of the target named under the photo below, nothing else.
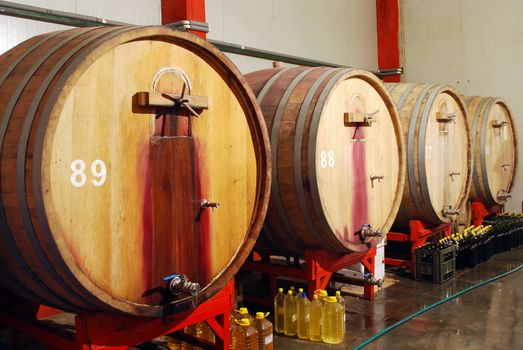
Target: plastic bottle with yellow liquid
(278, 311)
(303, 313)
(245, 336)
(264, 328)
(290, 317)
(315, 319)
(333, 327)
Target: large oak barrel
(439, 161)
(338, 158)
(495, 149)
(109, 182)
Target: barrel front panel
(446, 154)
(438, 152)
(98, 173)
(499, 157)
(357, 168)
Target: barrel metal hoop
(265, 233)
(269, 84)
(5, 233)
(410, 147)
(405, 95)
(89, 44)
(298, 140)
(391, 86)
(475, 175)
(482, 153)
(274, 149)
(35, 245)
(313, 136)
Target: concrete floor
(490, 317)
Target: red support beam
(387, 21)
(179, 10)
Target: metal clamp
(448, 211)
(186, 25)
(505, 165)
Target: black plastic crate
(435, 265)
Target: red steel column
(178, 10)
(387, 21)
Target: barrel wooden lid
(357, 168)
(496, 153)
(118, 203)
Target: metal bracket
(496, 124)
(204, 204)
(162, 103)
(443, 117)
(375, 177)
(452, 174)
(186, 25)
(351, 119)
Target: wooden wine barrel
(439, 161)
(338, 158)
(495, 149)
(108, 184)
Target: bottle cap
(331, 299)
(304, 295)
(261, 315)
(243, 311)
(323, 293)
(300, 290)
(280, 290)
(244, 322)
(338, 293)
(315, 296)
(289, 292)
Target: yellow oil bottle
(264, 328)
(303, 313)
(245, 336)
(278, 311)
(332, 330)
(315, 319)
(290, 317)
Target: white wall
(474, 45)
(337, 31)
(15, 30)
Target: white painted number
(428, 152)
(79, 178)
(99, 170)
(327, 159)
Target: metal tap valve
(448, 211)
(180, 284)
(503, 196)
(204, 204)
(367, 231)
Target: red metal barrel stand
(316, 271)
(479, 212)
(93, 331)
